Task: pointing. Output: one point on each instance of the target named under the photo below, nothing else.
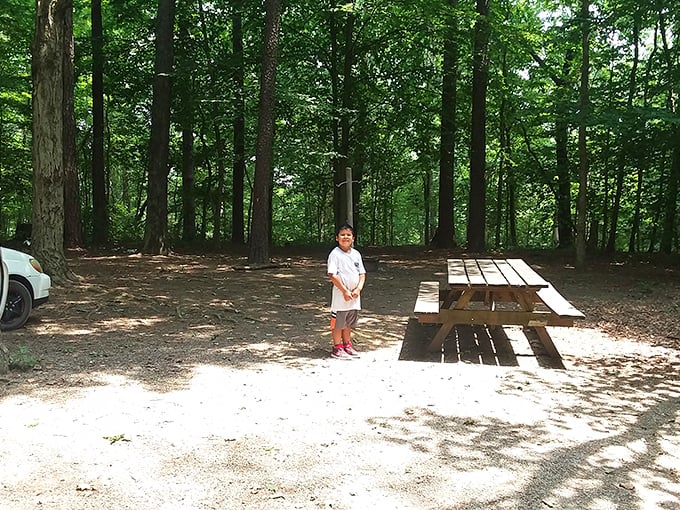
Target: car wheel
(17, 308)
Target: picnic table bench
(493, 292)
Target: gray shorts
(344, 319)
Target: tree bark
(259, 239)
(186, 69)
(624, 154)
(188, 188)
(239, 128)
(476, 229)
(73, 236)
(562, 192)
(48, 135)
(565, 225)
(671, 196)
(342, 158)
(216, 195)
(155, 236)
(584, 109)
(100, 217)
(445, 237)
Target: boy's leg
(338, 343)
(337, 338)
(347, 342)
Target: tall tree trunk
(445, 236)
(476, 229)
(562, 192)
(427, 199)
(635, 226)
(259, 238)
(504, 165)
(185, 91)
(188, 188)
(239, 127)
(73, 236)
(344, 105)
(563, 198)
(217, 197)
(338, 164)
(624, 155)
(671, 196)
(100, 217)
(156, 232)
(348, 106)
(584, 109)
(48, 132)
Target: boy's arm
(346, 293)
(360, 286)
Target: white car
(28, 288)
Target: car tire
(17, 308)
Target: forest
(490, 125)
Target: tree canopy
(387, 88)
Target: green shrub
(23, 359)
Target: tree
(261, 224)
(48, 136)
(446, 234)
(73, 235)
(476, 231)
(361, 85)
(186, 70)
(155, 237)
(217, 129)
(671, 198)
(239, 127)
(584, 109)
(100, 217)
(342, 83)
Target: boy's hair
(345, 226)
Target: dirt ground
(187, 382)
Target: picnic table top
(490, 272)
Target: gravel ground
(247, 417)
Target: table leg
(440, 337)
(547, 342)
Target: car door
(4, 283)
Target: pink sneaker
(349, 349)
(339, 353)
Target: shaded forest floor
(187, 382)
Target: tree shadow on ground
(598, 449)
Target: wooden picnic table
(493, 292)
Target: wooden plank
(493, 317)
(492, 275)
(428, 298)
(511, 276)
(530, 277)
(557, 303)
(457, 274)
(474, 274)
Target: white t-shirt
(347, 266)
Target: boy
(346, 271)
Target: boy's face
(345, 238)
